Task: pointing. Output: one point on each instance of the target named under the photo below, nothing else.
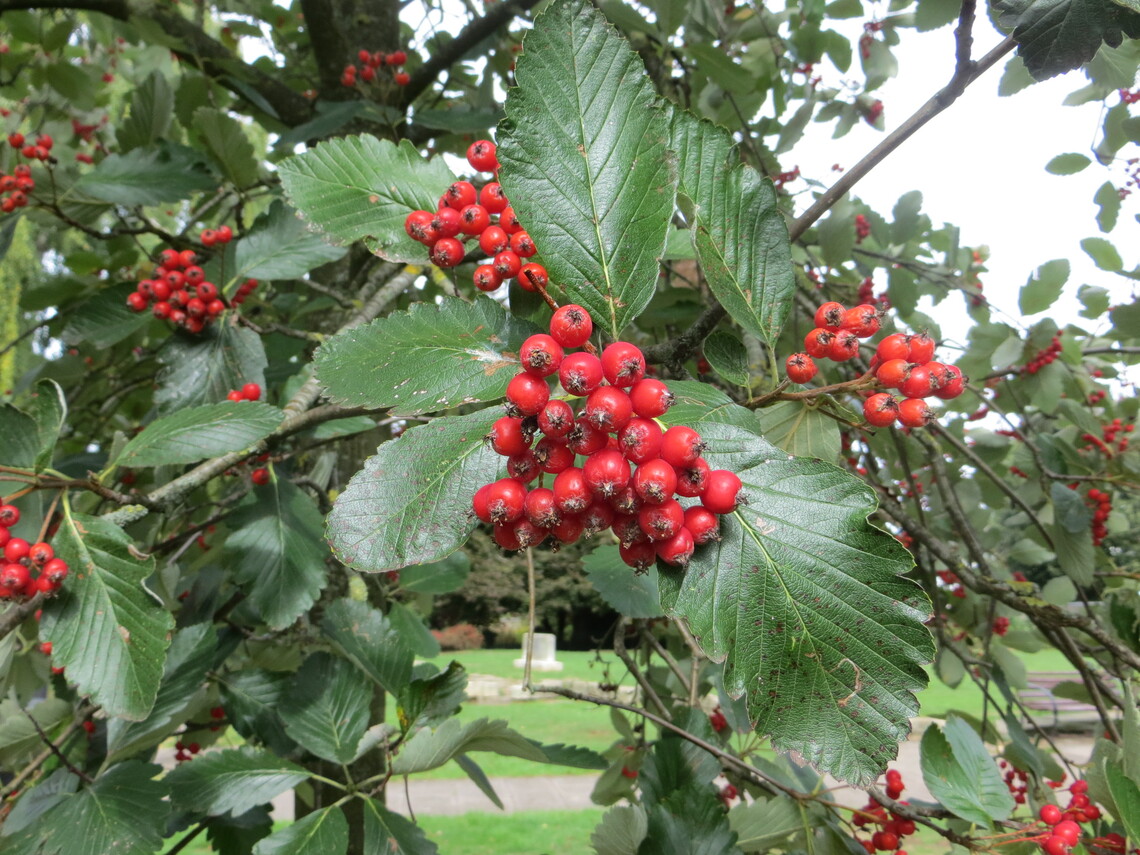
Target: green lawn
(528, 833)
(938, 698)
(579, 665)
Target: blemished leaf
(430, 358)
(1044, 287)
(961, 774)
(147, 176)
(322, 832)
(1103, 253)
(429, 749)
(204, 369)
(621, 831)
(765, 824)
(370, 642)
(196, 433)
(803, 601)
(740, 235)
(800, 430)
(635, 595)
(1067, 164)
(409, 503)
(1054, 36)
(123, 811)
(188, 659)
(232, 781)
(276, 535)
(363, 188)
(152, 105)
(106, 629)
(727, 355)
(104, 319)
(429, 700)
(281, 246)
(326, 709)
(585, 164)
(225, 139)
(387, 833)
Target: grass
(579, 665)
(938, 698)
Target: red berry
(487, 278)
(225, 234)
(403, 78)
(528, 394)
(523, 467)
(14, 578)
(16, 550)
(829, 316)
(894, 346)
(1054, 845)
(862, 320)
(16, 140)
(460, 194)
(509, 220)
(493, 240)
(800, 368)
(892, 372)
(540, 509)
(505, 499)
(260, 477)
(655, 481)
(608, 409)
(702, 524)
(540, 355)
(678, 549)
(40, 554)
(640, 440)
(640, 556)
(692, 479)
(920, 348)
(447, 222)
(572, 494)
(1068, 831)
(580, 373)
(623, 364)
(913, 412)
(681, 446)
(918, 382)
(553, 455)
(507, 436)
(568, 529)
(661, 522)
(473, 219)
(571, 325)
(817, 343)
(136, 302)
(606, 472)
(508, 264)
(950, 382)
(493, 198)
(533, 277)
(880, 410)
(597, 517)
(481, 156)
(1050, 814)
(628, 530)
(722, 492)
(446, 252)
(556, 419)
(844, 346)
(522, 245)
(650, 398)
(398, 57)
(584, 439)
(251, 391)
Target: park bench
(1038, 696)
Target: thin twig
(530, 617)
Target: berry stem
(550, 301)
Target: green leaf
(104, 319)
(370, 642)
(635, 595)
(152, 105)
(430, 749)
(1067, 164)
(1095, 301)
(326, 709)
(122, 811)
(429, 701)
(106, 629)
(430, 358)
(1075, 553)
(621, 831)
(203, 369)
(189, 657)
(740, 235)
(197, 433)
(251, 699)
(1103, 253)
(362, 188)
(800, 429)
(387, 833)
(73, 83)
(1044, 287)
(232, 781)
(225, 139)
(409, 503)
(766, 823)
(440, 577)
(1126, 794)
(1054, 36)
(1014, 78)
(961, 774)
(19, 739)
(280, 246)
(322, 832)
(20, 438)
(932, 14)
(148, 176)
(727, 355)
(584, 162)
(411, 628)
(276, 535)
(802, 597)
(1107, 201)
(907, 215)
(49, 411)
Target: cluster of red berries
(185, 751)
(38, 150)
(1016, 780)
(862, 228)
(1127, 96)
(836, 337)
(369, 62)
(484, 217)
(248, 392)
(718, 721)
(1047, 354)
(16, 186)
(1103, 502)
(1108, 442)
(28, 568)
(867, 295)
(1001, 625)
(1066, 829)
(953, 583)
(892, 828)
(616, 427)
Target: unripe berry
(880, 410)
(540, 355)
(800, 368)
(571, 326)
(722, 492)
(623, 364)
(607, 472)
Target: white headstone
(545, 648)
